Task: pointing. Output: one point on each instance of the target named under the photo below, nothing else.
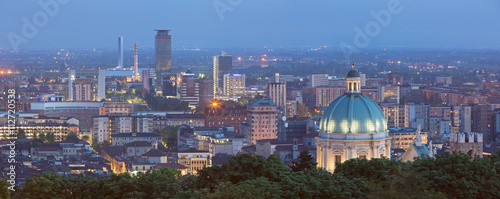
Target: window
(338, 159)
(362, 157)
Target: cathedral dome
(353, 73)
(353, 113)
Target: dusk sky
(254, 23)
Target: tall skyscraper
(97, 80)
(136, 76)
(222, 64)
(120, 52)
(163, 55)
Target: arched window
(355, 87)
(350, 86)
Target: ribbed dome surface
(353, 73)
(353, 113)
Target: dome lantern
(353, 81)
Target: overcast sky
(251, 23)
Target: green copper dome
(353, 73)
(353, 113)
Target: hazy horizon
(252, 24)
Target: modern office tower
(417, 114)
(222, 64)
(263, 117)
(389, 94)
(206, 90)
(363, 79)
(97, 79)
(319, 80)
(163, 57)
(169, 85)
(321, 97)
(135, 75)
(395, 78)
(482, 121)
(190, 89)
(276, 91)
(120, 52)
(234, 86)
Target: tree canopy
(252, 176)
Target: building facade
(263, 118)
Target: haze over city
(256, 23)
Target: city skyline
(445, 24)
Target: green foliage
(374, 169)
(21, 134)
(86, 138)
(165, 104)
(257, 188)
(403, 184)
(46, 185)
(4, 188)
(50, 137)
(72, 136)
(42, 136)
(252, 176)
(458, 176)
(96, 145)
(306, 162)
(169, 134)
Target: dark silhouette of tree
(72, 136)
(21, 134)
(50, 137)
(306, 162)
(42, 137)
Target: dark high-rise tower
(163, 56)
(222, 64)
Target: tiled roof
(154, 153)
(138, 144)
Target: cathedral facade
(353, 126)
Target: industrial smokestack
(120, 52)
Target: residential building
(86, 85)
(262, 116)
(120, 139)
(234, 86)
